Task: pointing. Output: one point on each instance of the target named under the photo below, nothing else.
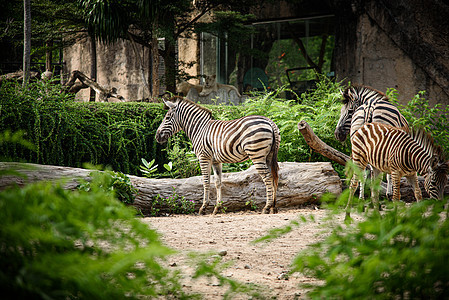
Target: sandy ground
(231, 235)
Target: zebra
(400, 153)
(216, 142)
(363, 104)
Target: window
(280, 53)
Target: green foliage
(395, 256)
(68, 133)
(148, 168)
(419, 113)
(174, 204)
(319, 107)
(62, 244)
(183, 162)
(117, 182)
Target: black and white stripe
(392, 150)
(363, 104)
(216, 142)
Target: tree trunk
(26, 42)
(139, 59)
(170, 66)
(49, 55)
(93, 65)
(155, 82)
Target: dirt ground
(264, 264)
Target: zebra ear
(168, 104)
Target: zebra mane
(425, 140)
(180, 99)
(356, 92)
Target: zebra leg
(396, 181)
(413, 180)
(352, 188)
(265, 173)
(217, 167)
(205, 171)
(374, 189)
(389, 190)
(362, 183)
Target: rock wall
(397, 44)
(117, 66)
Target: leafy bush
(118, 135)
(320, 108)
(68, 133)
(117, 182)
(175, 204)
(61, 244)
(419, 113)
(395, 256)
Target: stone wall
(117, 66)
(400, 44)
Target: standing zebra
(363, 104)
(392, 150)
(216, 142)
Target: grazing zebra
(392, 150)
(216, 142)
(363, 104)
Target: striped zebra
(392, 150)
(216, 142)
(363, 104)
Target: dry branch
(321, 147)
(104, 94)
(17, 75)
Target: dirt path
(264, 264)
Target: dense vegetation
(118, 135)
(69, 133)
(49, 236)
(60, 244)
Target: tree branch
(103, 93)
(321, 147)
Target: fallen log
(18, 75)
(299, 183)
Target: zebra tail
(274, 160)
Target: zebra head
(350, 103)
(170, 124)
(436, 177)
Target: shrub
(68, 133)
(395, 256)
(174, 204)
(119, 135)
(61, 244)
(117, 182)
(319, 107)
(419, 113)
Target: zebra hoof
(265, 210)
(201, 211)
(273, 210)
(215, 210)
